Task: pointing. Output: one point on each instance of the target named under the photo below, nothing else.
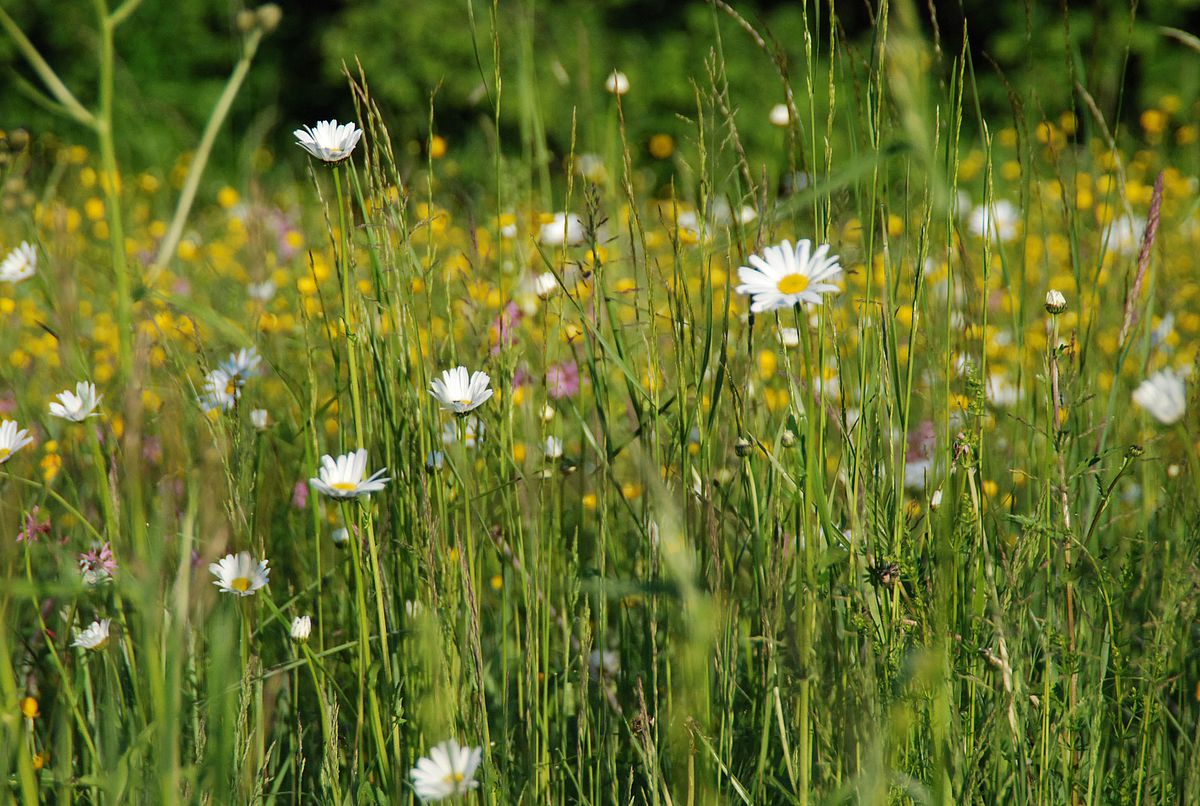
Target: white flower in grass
(1124, 235)
(545, 285)
(780, 116)
(617, 83)
(564, 228)
(784, 276)
(242, 364)
(301, 628)
(472, 430)
(999, 221)
(448, 770)
(340, 537)
(460, 393)
(94, 637)
(12, 439)
(240, 574)
(220, 391)
(327, 141)
(20, 264)
(1163, 395)
(77, 406)
(346, 476)
(262, 292)
(553, 448)
(604, 664)
(260, 419)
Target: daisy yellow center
(241, 584)
(344, 486)
(453, 778)
(465, 401)
(792, 284)
(5, 453)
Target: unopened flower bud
(301, 628)
(269, 17)
(780, 116)
(1056, 303)
(743, 447)
(935, 500)
(617, 83)
(788, 439)
(245, 21)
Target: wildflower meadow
(552, 423)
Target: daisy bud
(269, 17)
(1056, 303)
(301, 628)
(617, 83)
(743, 447)
(259, 419)
(341, 537)
(245, 21)
(788, 439)
(780, 116)
(935, 500)
(547, 413)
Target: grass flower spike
(448, 770)
(460, 393)
(77, 406)
(240, 574)
(12, 439)
(784, 276)
(327, 141)
(20, 264)
(94, 637)
(1163, 395)
(345, 477)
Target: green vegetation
(723, 524)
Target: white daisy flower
(220, 391)
(94, 637)
(604, 664)
(1000, 221)
(327, 141)
(553, 449)
(565, 228)
(12, 439)
(240, 574)
(1124, 235)
(20, 264)
(262, 292)
(1163, 395)
(77, 406)
(346, 476)
(301, 628)
(617, 83)
(448, 770)
(785, 276)
(472, 430)
(242, 364)
(460, 393)
(545, 284)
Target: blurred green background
(175, 57)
